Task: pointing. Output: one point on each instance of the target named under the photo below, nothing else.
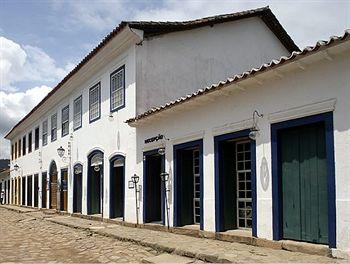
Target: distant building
(5, 179)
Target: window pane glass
(45, 128)
(77, 109)
(65, 120)
(53, 127)
(117, 89)
(94, 102)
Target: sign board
(153, 139)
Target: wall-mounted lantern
(133, 185)
(164, 176)
(254, 131)
(16, 167)
(61, 151)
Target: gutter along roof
(152, 28)
(296, 55)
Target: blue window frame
(65, 121)
(95, 103)
(53, 127)
(44, 133)
(218, 181)
(77, 113)
(177, 179)
(117, 89)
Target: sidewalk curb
(18, 210)
(155, 246)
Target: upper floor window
(24, 145)
(53, 127)
(77, 113)
(15, 150)
(12, 152)
(94, 103)
(30, 141)
(117, 89)
(45, 131)
(65, 121)
(36, 138)
(19, 147)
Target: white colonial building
(263, 152)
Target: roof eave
(295, 56)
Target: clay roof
(296, 55)
(152, 28)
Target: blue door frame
(89, 171)
(177, 205)
(327, 119)
(111, 161)
(218, 195)
(145, 154)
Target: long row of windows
(117, 101)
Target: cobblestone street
(27, 238)
(34, 236)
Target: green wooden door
(304, 184)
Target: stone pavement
(38, 237)
(199, 248)
(27, 237)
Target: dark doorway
(64, 190)
(19, 184)
(235, 182)
(153, 187)
(36, 190)
(95, 183)
(29, 190)
(188, 196)
(117, 185)
(78, 188)
(53, 185)
(43, 189)
(23, 190)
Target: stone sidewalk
(199, 248)
(26, 237)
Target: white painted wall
(111, 136)
(297, 92)
(172, 65)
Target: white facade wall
(172, 65)
(298, 93)
(112, 136)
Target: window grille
(117, 89)
(77, 113)
(94, 102)
(65, 121)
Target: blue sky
(40, 41)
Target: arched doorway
(116, 186)
(53, 185)
(95, 183)
(77, 188)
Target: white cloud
(26, 63)
(13, 107)
(100, 15)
